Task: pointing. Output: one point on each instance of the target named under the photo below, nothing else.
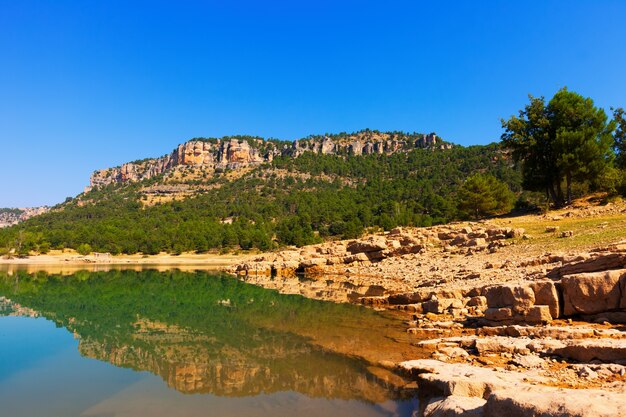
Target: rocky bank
(504, 331)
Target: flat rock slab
(508, 394)
(554, 402)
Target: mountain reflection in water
(212, 334)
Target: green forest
(416, 188)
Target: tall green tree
(483, 195)
(567, 140)
(619, 145)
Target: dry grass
(592, 226)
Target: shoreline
(71, 262)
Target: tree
(567, 140)
(619, 145)
(484, 195)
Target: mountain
(238, 152)
(246, 192)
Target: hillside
(246, 192)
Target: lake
(150, 343)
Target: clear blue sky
(90, 84)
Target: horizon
(88, 87)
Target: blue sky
(86, 85)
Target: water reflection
(212, 334)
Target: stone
(554, 402)
(455, 406)
(358, 257)
(598, 263)
(410, 298)
(538, 314)
(498, 314)
(528, 361)
(477, 242)
(517, 297)
(454, 352)
(371, 244)
(461, 379)
(516, 233)
(604, 350)
(591, 293)
(477, 301)
(546, 294)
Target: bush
(84, 249)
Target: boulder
(538, 314)
(515, 233)
(410, 298)
(371, 244)
(498, 314)
(517, 297)
(476, 242)
(591, 293)
(358, 257)
(546, 294)
(455, 406)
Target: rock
(538, 314)
(477, 242)
(554, 402)
(587, 373)
(567, 233)
(528, 361)
(552, 229)
(591, 293)
(358, 257)
(516, 233)
(517, 297)
(460, 379)
(498, 314)
(455, 406)
(598, 263)
(604, 350)
(546, 294)
(477, 301)
(410, 298)
(310, 262)
(499, 344)
(454, 352)
(371, 244)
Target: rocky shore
(506, 328)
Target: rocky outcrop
(12, 216)
(236, 152)
(212, 155)
(464, 390)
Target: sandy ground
(68, 262)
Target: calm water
(128, 343)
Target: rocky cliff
(232, 153)
(13, 216)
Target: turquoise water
(126, 343)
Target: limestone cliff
(232, 153)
